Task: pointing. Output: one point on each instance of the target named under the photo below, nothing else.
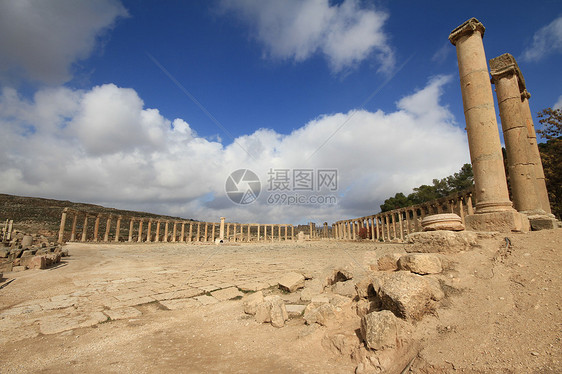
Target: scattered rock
(295, 310)
(379, 329)
(346, 288)
(273, 310)
(388, 262)
(291, 282)
(312, 288)
(320, 314)
(251, 302)
(407, 295)
(26, 241)
(420, 263)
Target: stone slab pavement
(103, 282)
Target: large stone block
(388, 262)
(420, 263)
(542, 223)
(408, 296)
(441, 241)
(273, 310)
(291, 282)
(379, 329)
(502, 221)
(444, 221)
(251, 302)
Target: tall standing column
(174, 231)
(292, 232)
(534, 154)
(198, 238)
(62, 224)
(481, 126)
(507, 79)
(182, 233)
(483, 137)
(221, 229)
(190, 231)
(213, 232)
(165, 240)
(206, 231)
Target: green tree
(551, 156)
(440, 188)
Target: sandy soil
(502, 313)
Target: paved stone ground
(102, 282)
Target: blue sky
(141, 105)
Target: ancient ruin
(377, 292)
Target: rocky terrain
(477, 303)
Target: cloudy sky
(151, 106)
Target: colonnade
(398, 223)
(82, 226)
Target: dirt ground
(154, 308)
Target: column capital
(505, 65)
(525, 95)
(467, 28)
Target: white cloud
(345, 34)
(104, 146)
(558, 104)
(40, 40)
(546, 40)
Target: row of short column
(247, 232)
(398, 223)
(149, 230)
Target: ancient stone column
(483, 137)
(174, 231)
(507, 78)
(96, 228)
(182, 233)
(107, 227)
(131, 229)
(387, 225)
(157, 236)
(190, 231)
(534, 154)
(62, 224)
(198, 238)
(165, 240)
(292, 232)
(286, 228)
(73, 230)
(234, 232)
(149, 231)
(118, 228)
(221, 229)
(481, 125)
(213, 232)
(139, 239)
(85, 228)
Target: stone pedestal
(503, 221)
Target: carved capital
(467, 28)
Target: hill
(42, 216)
